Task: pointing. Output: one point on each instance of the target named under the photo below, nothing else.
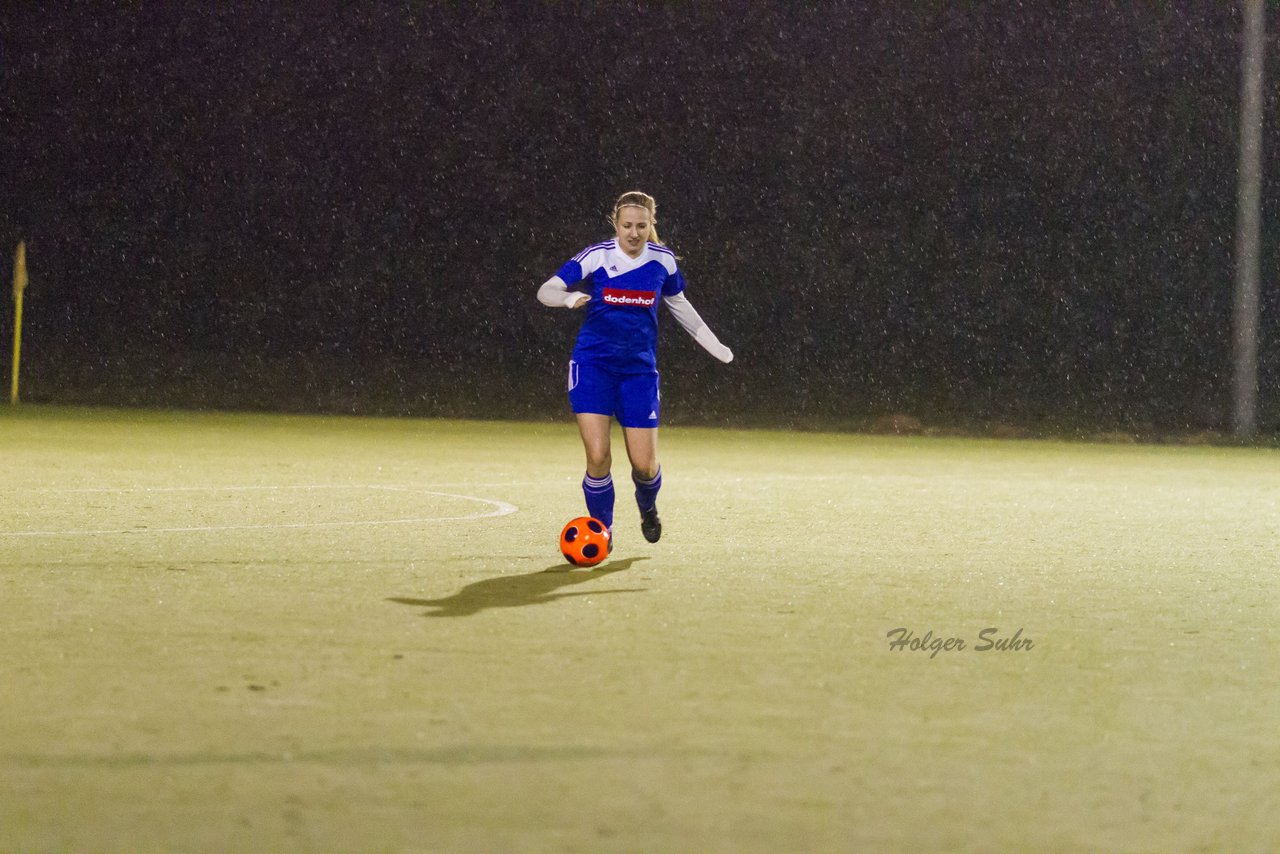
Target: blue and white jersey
(620, 330)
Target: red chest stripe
(639, 299)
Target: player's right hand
(581, 301)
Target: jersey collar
(624, 262)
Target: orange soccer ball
(584, 541)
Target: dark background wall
(972, 213)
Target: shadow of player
(515, 591)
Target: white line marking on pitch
(496, 508)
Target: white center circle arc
(492, 508)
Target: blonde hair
(637, 199)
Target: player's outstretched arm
(556, 294)
(685, 314)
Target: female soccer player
(614, 369)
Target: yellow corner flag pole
(19, 285)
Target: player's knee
(645, 470)
(598, 463)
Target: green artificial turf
(263, 633)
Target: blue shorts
(631, 398)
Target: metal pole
(1248, 223)
(19, 285)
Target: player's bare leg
(597, 486)
(642, 450)
(595, 441)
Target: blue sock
(599, 494)
(647, 490)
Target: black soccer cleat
(651, 525)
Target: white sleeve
(685, 314)
(556, 294)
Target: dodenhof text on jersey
(639, 299)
